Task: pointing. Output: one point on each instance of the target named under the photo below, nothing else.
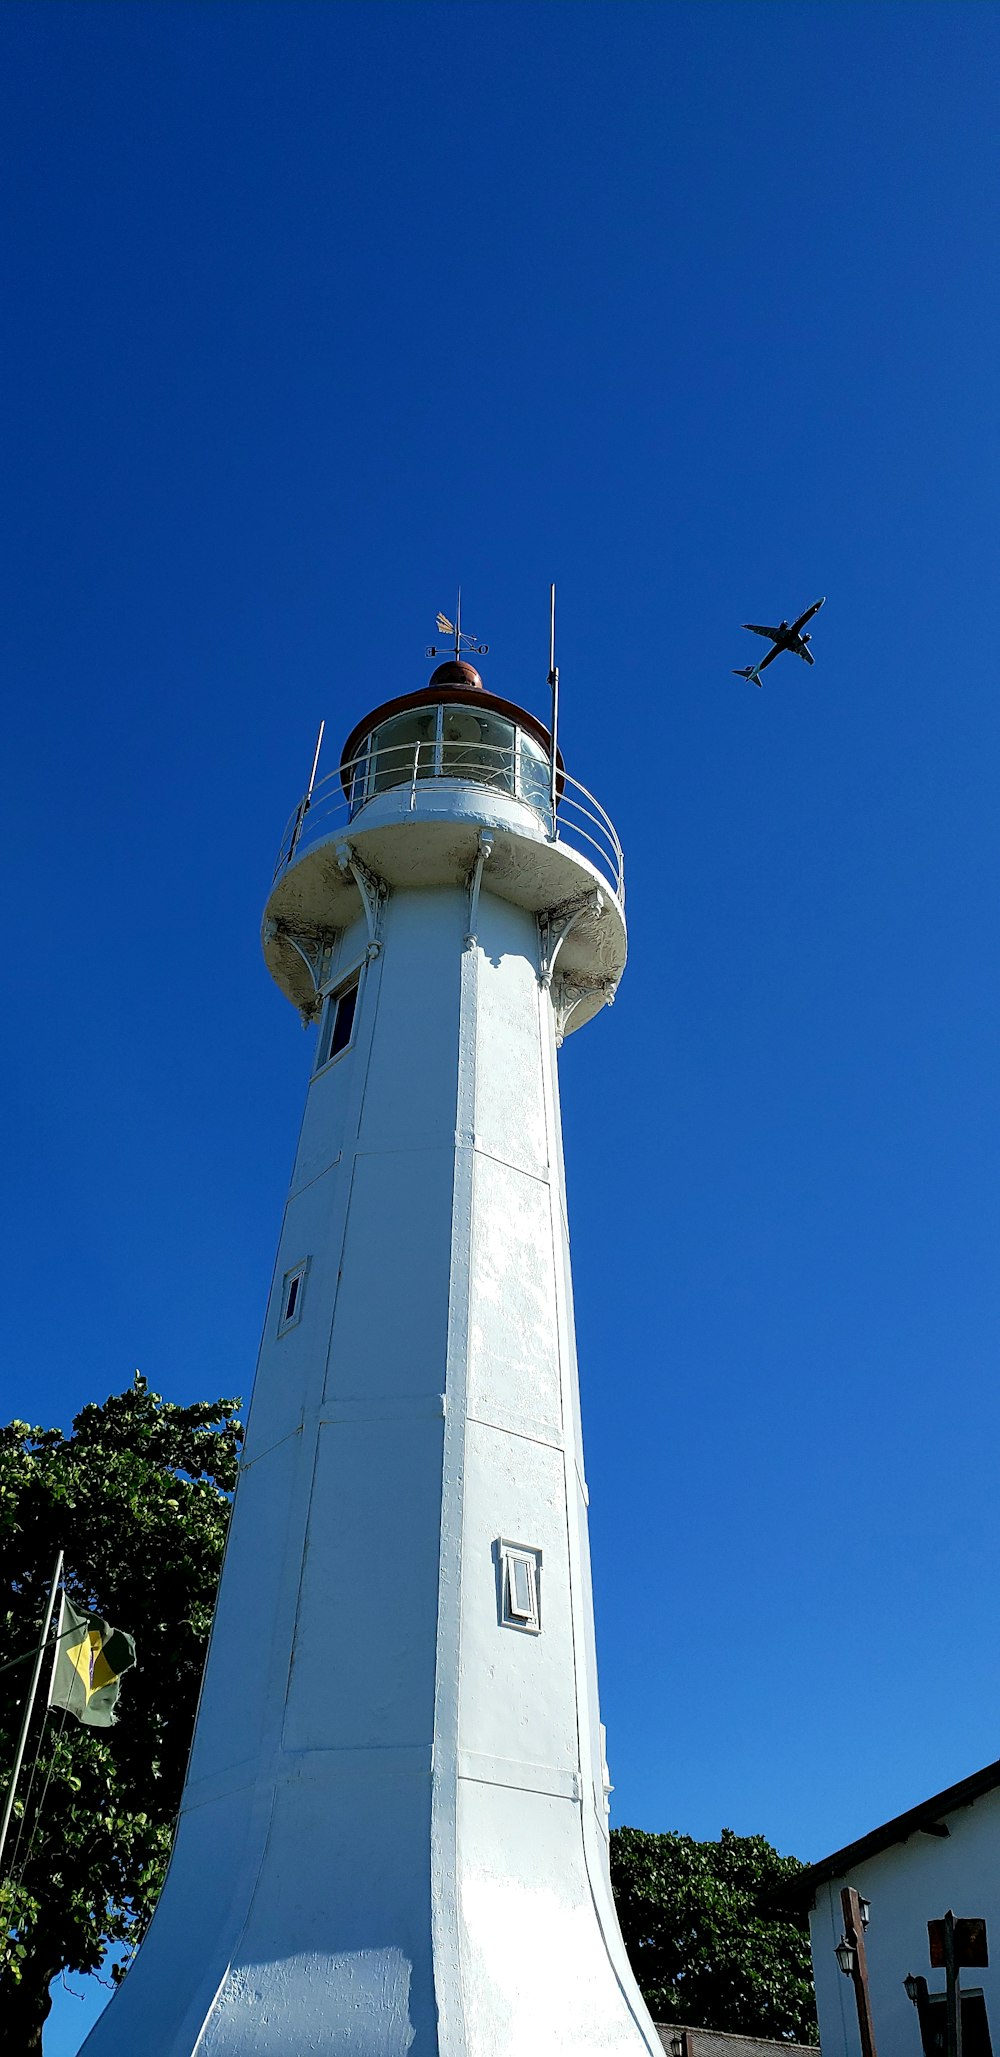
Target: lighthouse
(394, 1831)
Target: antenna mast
(306, 801)
(319, 746)
(553, 681)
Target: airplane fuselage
(787, 636)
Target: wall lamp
(847, 1957)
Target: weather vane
(463, 641)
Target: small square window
(292, 1289)
(520, 1582)
(338, 1022)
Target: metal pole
(30, 1708)
(854, 1931)
(954, 1994)
(312, 774)
(553, 681)
(306, 802)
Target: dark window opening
(338, 1024)
(291, 1297)
(975, 2026)
(343, 1019)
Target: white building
(941, 1856)
(393, 1835)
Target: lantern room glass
(477, 746)
(534, 772)
(452, 742)
(403, 749)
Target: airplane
(784, 637)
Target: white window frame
(512, 1614)
(297, 1272)
(331, 1002)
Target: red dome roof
(456, 672)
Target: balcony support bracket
(559, 923)
(315, 950)
(569, 992)
(374, 893)
(484, 852)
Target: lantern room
(452, 729)
(450, 785)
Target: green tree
(138, 1498)
(701, 1948)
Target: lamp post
(854, 1963)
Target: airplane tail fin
(751, 672)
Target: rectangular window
(520, 1581)
(292, 1288)
(338, 1022)
(522, 1595)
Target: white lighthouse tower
(393, 1836)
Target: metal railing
(335, 800)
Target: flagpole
(30, 1708)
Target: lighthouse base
(479, 1962)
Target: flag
(87, 1666)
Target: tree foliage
(138, 1498)
(701, 1948)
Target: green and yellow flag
(87, 1667)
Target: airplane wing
(797, 626)
(758, 630)
(807, 654)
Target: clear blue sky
(312, 310)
